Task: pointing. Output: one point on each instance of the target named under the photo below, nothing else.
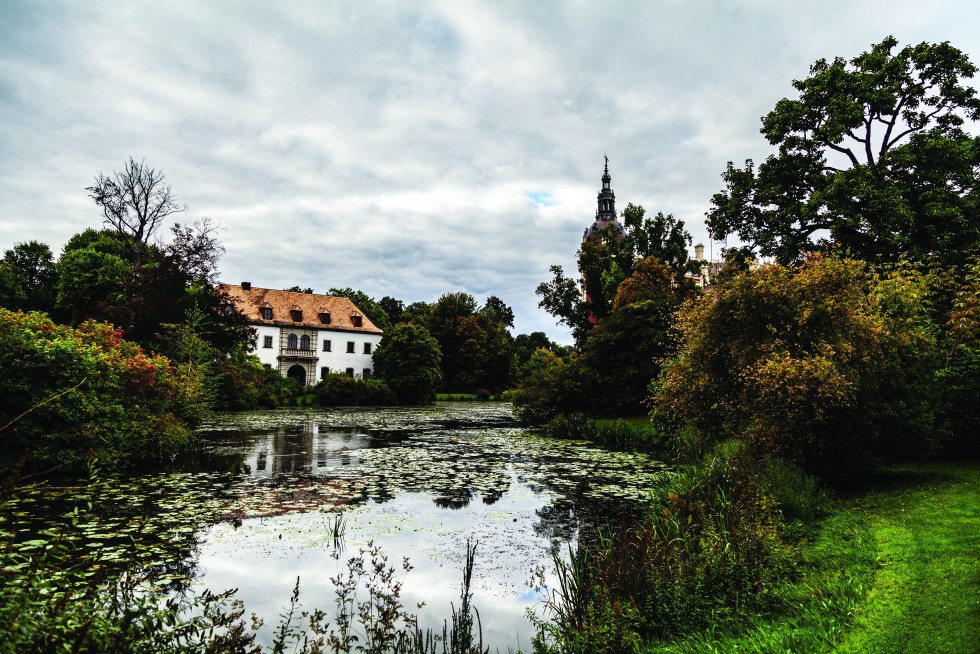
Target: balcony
(287, 353)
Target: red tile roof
(284, 303)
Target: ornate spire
(606, 199)
(605, 214)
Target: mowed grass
(894, 569)
(926, 592)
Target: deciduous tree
(408, 359)
(135, 201)
(824, 365)
(608, 259)
(872, 155)
(33, 263)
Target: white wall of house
(347, 351)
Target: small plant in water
(379, 622)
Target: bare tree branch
(135, 201)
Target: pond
(258, 507)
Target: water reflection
(418, 482)
(305, 449)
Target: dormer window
(296, 314)
(356, 320)
(266, 313)
(324, 317)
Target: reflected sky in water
(419, 483)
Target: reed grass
(616, 434)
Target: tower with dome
(605, 209)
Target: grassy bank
(894, 568)
(926, 592)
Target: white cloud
(409, 150)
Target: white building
(306, 336)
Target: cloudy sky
(410, 148)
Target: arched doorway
(298, 373)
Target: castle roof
(291, 308)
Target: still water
(256, 510)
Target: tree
(419, 312)
(562, 298)
(624, 350)
(92, 277)
(871, 156)
(394, 308)
(454, 324)
(662, 237)
(135, 202)
(495, 318)
(33, 263)
(608, 259)
(495, 313)
(824, 365)
(12, 293)
(408, 359)
(196, 250)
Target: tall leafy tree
(93, 273)
(623, 352)
(33, 263)
(872, 155)
(419, 312)
(608, 259)
(408, 359)
(12, 294)
(393, 307)
(496, 317)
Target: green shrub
(798, 495)
(71, 393)
(243, 383)
(826, 365)
(337, 389)
(552, 386)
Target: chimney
(699, 252)
(246, 286)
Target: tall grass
(613, 433)
(707, 553)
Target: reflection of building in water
(306, 448)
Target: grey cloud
(392, 148)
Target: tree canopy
(407, 359)
(823, 364)
(31, 265)
(607, 260)
(872, 156)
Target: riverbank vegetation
(789, 380)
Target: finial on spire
(607, 162)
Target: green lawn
(894, 569)
(926, 591)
